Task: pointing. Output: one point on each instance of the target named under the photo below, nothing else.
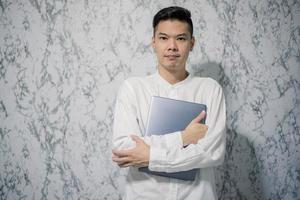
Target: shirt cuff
(158, 159)
(158, 156)
(174, 140)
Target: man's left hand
(137, 156)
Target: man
(198, 146)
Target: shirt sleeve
(208, 152)
(126, 123)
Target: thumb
(199, 117)
(136, 139)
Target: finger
(123, 162)
(201, 127)
(120, 153)
(205, 128)
(126, 164)
(122, 166)
(199, 117)
(119, 160)
(136, 139)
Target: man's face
(172, 43)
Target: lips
(172, 56)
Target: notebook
(167, 116)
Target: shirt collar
(165, 83)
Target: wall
(61, 63)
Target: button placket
(173, 94)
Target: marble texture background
(61, 63)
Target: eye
(163, 38)
(182, 39)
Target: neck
(172, 77)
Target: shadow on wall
(239, 176)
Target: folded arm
(207, 152)
(166, 153)
(126, 125)
(140, 154)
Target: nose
(172, 46)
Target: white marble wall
(61, 63)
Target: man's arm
(208, 152)
(139, 155)
(126, 123)
(167, 153)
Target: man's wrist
(183, 136)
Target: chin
(172, 68)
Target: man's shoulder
(207, 81)
(138, 80)
(136, 83)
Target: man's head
(173, 13)
(172, 39)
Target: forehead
(172, 27)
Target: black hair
(173, 12)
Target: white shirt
(166, 152)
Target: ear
(153, 42)
(192, 43)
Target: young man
(172, 41)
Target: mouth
(172, 56)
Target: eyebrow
(182, 34)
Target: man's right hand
(194, 131)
